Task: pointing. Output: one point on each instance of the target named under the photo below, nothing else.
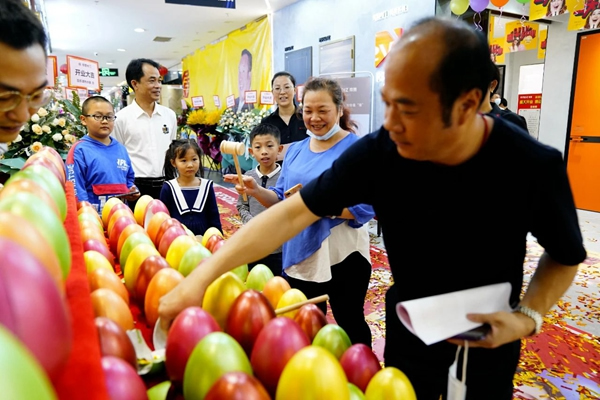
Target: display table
(82, 377)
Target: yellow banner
(585, 15)
(521, 36)
(232, 72)
(542, 43)
(547, 9)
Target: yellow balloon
(177, 249)
(313, 373)
(221, 294)
(288, 298)
(390, 383)
(459, 7)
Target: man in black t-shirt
(464, 180)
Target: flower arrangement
(56, 125)
(238, 125)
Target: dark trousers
(149, 186)
(490, 372)
(273, 261)
(347, 290)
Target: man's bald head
(460, 56)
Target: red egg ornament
(237, 386)
(281, 336)
(311, 319)
(114, 341)
(122, 380)
(188, 328)
(33, 308)
(64, 69)
(360, 364)
(248, 315)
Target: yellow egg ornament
(390, 383)
(313, 373)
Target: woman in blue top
(332, 255)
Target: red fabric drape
(82, 377)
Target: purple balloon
(479, 5)
(122, 381)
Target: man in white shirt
(145, 127)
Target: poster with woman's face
(522, 36)
(585, 15)
(547, 9)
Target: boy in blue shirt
(98, 165)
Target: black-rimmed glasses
(99, 118)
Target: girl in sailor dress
(189, 198)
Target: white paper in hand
(436, 318)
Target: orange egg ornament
(161, 283)
(107, 303)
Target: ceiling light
(120, 49)
(139, 30)
(109, 63)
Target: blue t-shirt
(99, 171)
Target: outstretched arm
(260, 237)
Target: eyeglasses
(11, 100)
(109, 118)
(282, 89)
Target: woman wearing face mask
(332, 255)
(286, 117)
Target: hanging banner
(239, 63)
(547, 9)
(497, 39)
(542, 42)
(585, 15)
(521, 36)
(497, 50)
(530, 107)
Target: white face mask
(326, 136)
(497, 101)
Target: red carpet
(82, 377)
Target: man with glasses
(22, 68)
(145, 127)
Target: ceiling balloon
(459, 7)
